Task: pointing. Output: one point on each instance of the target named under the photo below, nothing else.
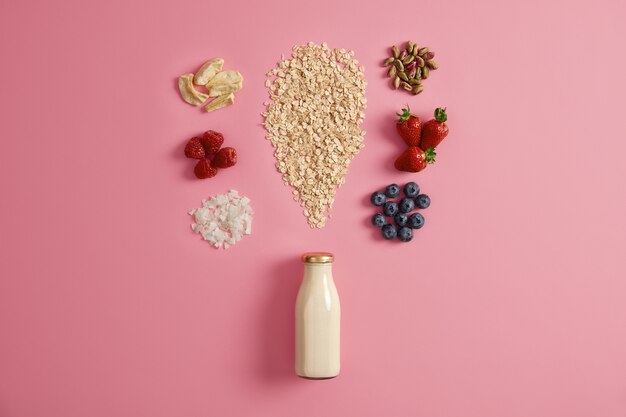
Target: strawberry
(226, 157)
(409, 127)
(194, 149)
(414, 159)
(212, 142)
(435, 130)
(203, 169)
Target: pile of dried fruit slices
(221, 85)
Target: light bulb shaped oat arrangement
(317, 104)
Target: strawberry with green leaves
(409, 127)
(414, 159)
(435, 130)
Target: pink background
(510, 302)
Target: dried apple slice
(221, 89)
(219, 102)
(225, 82)
(208, 71)
(188, 92)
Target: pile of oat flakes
(317, 104)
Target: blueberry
(416, 221)
(411, 189)
(378, 198)
(422, 201)
(392, 191)
(401, 219)
(379, 220)
(390, 209)
(405, 234)
(406, 205)
(389, 231)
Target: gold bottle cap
(318, 258)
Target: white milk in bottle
(317, 319)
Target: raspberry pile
(405, 222)
(208, 149)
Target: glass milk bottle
(317, 319)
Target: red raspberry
(204, 169)
(226, 157)
(194, 149)
(212, 142)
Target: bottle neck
(314, 271)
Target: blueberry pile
(405, 222)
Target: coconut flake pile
(223, 219)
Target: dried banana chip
(208, 71)
(224, 82)
(225, 88)
(188, 92)
(225, 77)
(219, 102)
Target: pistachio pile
(408, 68)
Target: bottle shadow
(276, 327)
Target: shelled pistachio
(409, 66)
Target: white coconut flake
(223, 220)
